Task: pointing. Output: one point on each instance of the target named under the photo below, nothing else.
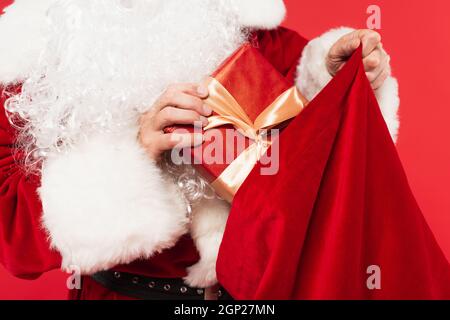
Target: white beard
(108, 60)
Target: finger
(180, 140)
(189, 102)
(171, 115)
(381, 79)
(193, 89)
(345, 46)
(184, 101)
(373, 74)
(370, 40)
(373, 60)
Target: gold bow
(288, 105)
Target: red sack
(339, 208)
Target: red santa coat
(25, 249)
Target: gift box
(249, 98)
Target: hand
(179, 104)
(375, 59)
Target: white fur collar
(22, 31)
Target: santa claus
(88, 87)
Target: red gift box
(248, 97)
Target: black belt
(146, 288)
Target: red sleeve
(24, 249)
(283, 48)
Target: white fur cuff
(105, 203)
(313, 76)
(208, 225)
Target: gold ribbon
(287, 106)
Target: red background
(416, 33)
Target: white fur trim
(313, 76)
(389, 101)
(105, 203)
(262, 14)
(208, 225)
(22, 30)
